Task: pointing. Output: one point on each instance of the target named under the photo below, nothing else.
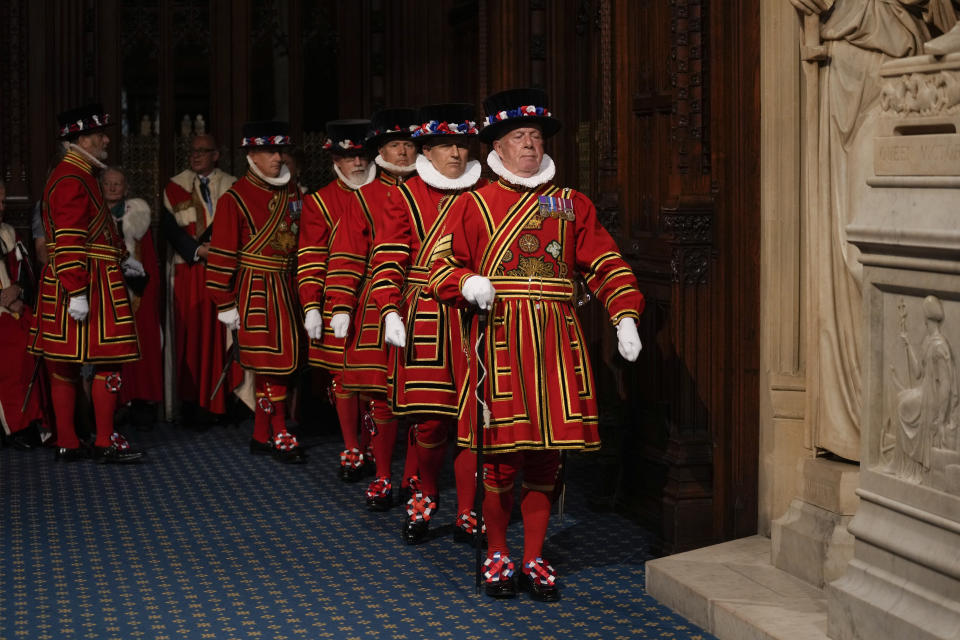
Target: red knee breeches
(539, 477)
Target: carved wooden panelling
(14, 151)
(689, 78)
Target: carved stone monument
(904, 579)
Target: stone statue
(926, 405)
(858, 36)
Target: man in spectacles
(197, 341)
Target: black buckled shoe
(119, 451)
(415, 532)
(380, 494)
(413, 486)
(369, 467)
(116, 455)
(258, 448)
(18, 440)
(465, 529)
(540, 580)
(62, 454)
(420, 509)
(287, 449)
(351, 465)
(498, 576)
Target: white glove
(313, 323)
(230, 317)
(393, 331)
(132, 267)
(340, 323)
(628, 340)
(78, 308)
(479, 291)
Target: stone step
(733, 591)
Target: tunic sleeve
(348, 260)
(222, 259)
(69, 212)
(315, 226)
(599, 260)
(457, 252)
(390, 257)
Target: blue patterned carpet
(204, 540)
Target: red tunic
(14, 333)
(322, 211)
(420, 376)
(540, 388)
(85, 254)
(199, 340)
(365, 356)
(251, 266)
(143, 379)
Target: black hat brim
(549, 126)
(375, 142)
(73, 135)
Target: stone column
(805, 502)
(904, 578)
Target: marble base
(811, 541)
(869, 604)
(733, 591)
(904, 579)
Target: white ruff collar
(371, 176)
(429, 174)
(279, 181)
(86, 154)
(395, 169)
(543, 175)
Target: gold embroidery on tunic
(443, 248)
(528, 243)
(532, 267)
(284, 240)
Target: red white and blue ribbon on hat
(93, 122)
(346, 145)
(437, 128)
(265, 141)
(394, 129)
(519, 112)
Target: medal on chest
(560, 208)
(284, 238)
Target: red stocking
(105, 393)
(385, 438)
(535, 507)
(63, 391)
(499, 472)
(431, 438)
(410, 464)
(465, 473)
(348, 412)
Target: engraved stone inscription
(920, 155)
